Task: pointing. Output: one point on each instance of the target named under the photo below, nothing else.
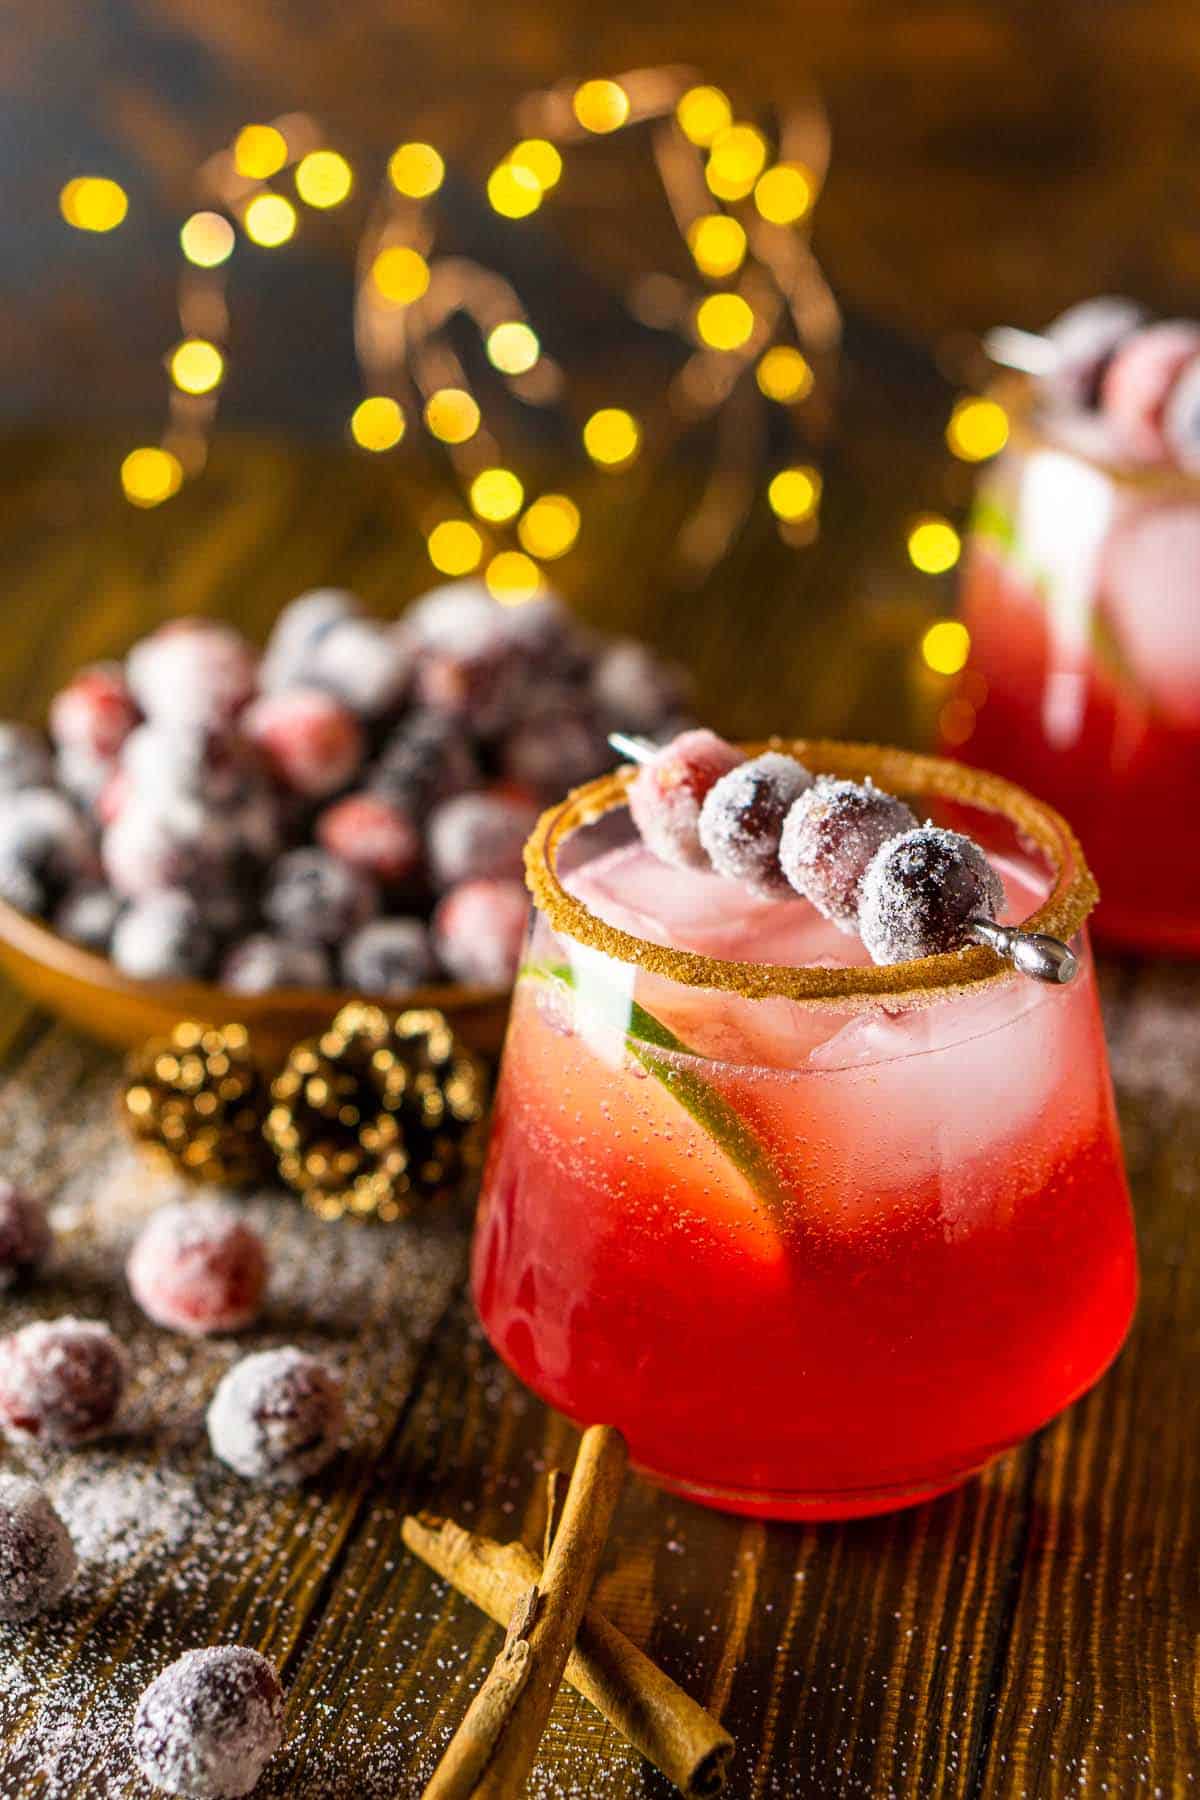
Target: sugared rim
(901, 772)
(1029, 429)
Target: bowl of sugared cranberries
(211, 832)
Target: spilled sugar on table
(1034, 1633)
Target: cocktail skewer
(1034, 953)
(1027, 351)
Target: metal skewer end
(1033, 952)
(1023, 350)
(633, 749)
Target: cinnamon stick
(494, 1748)
(663, 1724)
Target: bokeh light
(978, 428)
(497, 494)
(323, 178)
(514, 190)
(784, 194)
(724, 321)
(933, 545)
(542, 160)
(600, 106)
(717, 243)
(93, 203)
(783, 374)
(452, 415)
(207, 239)
(416, 170)
(400, 274)
(550, 527)
(269, 220)
(259, 151)
(455, 547)
(946, 646)
(377, 423)
(513, 347)
(956, 722)
(735, 161)
(150, 475)
(611, 437)
(794, 494)
(702, 112)
(196, 366)
(512, 577)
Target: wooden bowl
(90, 993)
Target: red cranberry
(667, 793)
(1139, 381)
(312, 743)
(194, 672)
(830, 836)
(919, 892)
(742, 817)
(210, 1723)
(372, 834)
(479, 929)
(198, 1268)
(61, 1381)
(25, 1235)
(277, 1417)
(94, 713)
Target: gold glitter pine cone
(198, 1099)
(378, 1116)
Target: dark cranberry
(919, 892)
(742, 818)
(830, 836)
(388, 957)
(318, 898)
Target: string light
(207, 239)
(795, 494)
(933, 545)
(497, 495)
(512, 577)
(718, 244)
(702, 112)
(196, 366)
(150, 475)
(416, 170)
(611, 437)
(323, 179)
(784, 194)
(452, 415)
(259, 151)
(784, 375)
(514, 190)
(455, 547)
(270, 220)
(542, 160)
(978, 428)
(401, 274)
(735, 161)
(93, 203)
(724, 321)
(946, 646)
(377, 423)
(513, 347)
(600, 106)
(550, 527)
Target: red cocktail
(820, 1238)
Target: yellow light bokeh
(377, 423)
(259, 151)
(196, 366)
(550, 527)
(724, 321)
(400, 274)
(269, 220)
(323, 179)
(795, 494)
(784, 194)
(946, 646)
(540, 157)
(718, 244)
(513, 347)
(496, 495)
(611, 437)
(784, 375)
(455, 547)
(207, 239)
(93, 203)
(452, 415)
(702, 112)
(933, 545)
(150, 475)
(978, 428)
(416, 170)
(600, 106)
(735, 161)
(512, 577)
(514, 190)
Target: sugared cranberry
(427, 759)
(919, 892)
(468, 666)
(1139, 381)
(61, 1382)
(311, 741)
(373, 834)
(194, 672)
(163, 936)
(88, 915)
(148, 847)
(1086, 338)
(198, 1268)
(25, 1235)
(262, 963)
(666, 794)
(210, 1723)
(94, 714)
(479, 837)
(388, 957)
(24, 759)
(636, 691)
(479, 928)
(165, 763)
(277, 1417)
(83, 777)
(558, 746)
(296, 632)
(829, 837)
(317, 898)
(45, 846)
(365, 664)
(1181, 419)
(37, 1558)
(742, 817)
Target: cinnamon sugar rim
(900, 772)
(1028, 430)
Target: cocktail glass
(1081, 591)
(821, 1238)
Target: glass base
(851, 1503)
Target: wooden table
(1034, 1634)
